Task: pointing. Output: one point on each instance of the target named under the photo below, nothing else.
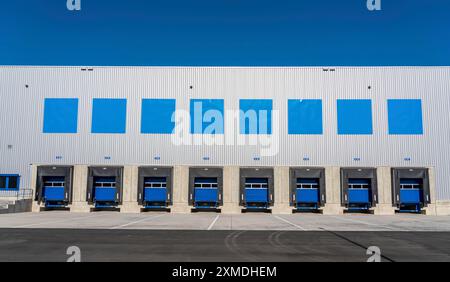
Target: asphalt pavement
(30, 244)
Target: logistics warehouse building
(369, 139)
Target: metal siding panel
(22, 116)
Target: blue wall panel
(60, 115)
(305, 116)
(354, 116)
(207, 116)
(405, 116)
(255, 116)
(109, 115)
(156, 116)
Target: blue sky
(225, 33)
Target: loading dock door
(307, 177)
(205, 187)
(206, 194)
(105, 191)
(54, 176)
(54, 191)
(158, 178)
(256, 192)
(107, 178)
(155, 192)
(410, 188)
(307, 193)
(256, 187)
(359, 188)
(358, 193)
(411, 194)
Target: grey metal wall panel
(21, 116)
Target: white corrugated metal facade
(22, 141)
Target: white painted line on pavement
(214, 222)
(137, 221)
(342, 217)
(288, 222)
(57, 221)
